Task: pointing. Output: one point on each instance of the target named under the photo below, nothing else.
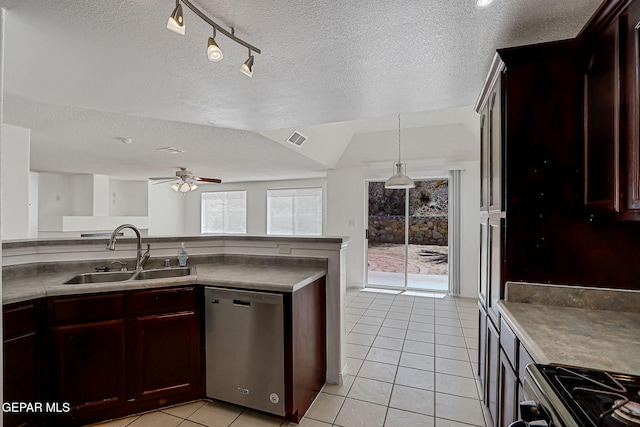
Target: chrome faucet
(139, 259)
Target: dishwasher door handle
(242, 303)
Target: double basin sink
(122, 276)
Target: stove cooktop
(596, 398)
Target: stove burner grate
(627, 412)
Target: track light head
(176, 22)
(214, 53)
(247, 67)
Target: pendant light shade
(175, 187)
(176, 23)
(399, 180)
(247, 67)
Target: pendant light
(400, 179)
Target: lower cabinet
(124, 352)
(165, 355)
(502, 362)
(22, 347)
(508, 400)
(305, 347)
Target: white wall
(34, 182)
(14, 155)
(128, 198)
(256, 202)
(166, 211)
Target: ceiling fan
(185, 180)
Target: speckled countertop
(279, 278)
(575, 333)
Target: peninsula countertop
(578, 335)
(277, 278)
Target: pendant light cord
(399, 158)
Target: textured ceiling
(118, 71)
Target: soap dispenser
(182, 256)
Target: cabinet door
(482, 350)
(496, 243)
(508, 392)
(496, 154)
(602, 122)
(632, 104)
(21, 380)
(483, 279)
(493, 372)
(484, 159)
(166, 360)
(89, 367)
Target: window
(223, 212)
(294, 211)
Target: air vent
(297, 138)
(171, 150)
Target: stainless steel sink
(163, 273)
(121, 276)
(102, 277)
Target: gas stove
(566, 396)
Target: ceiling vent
(297, 138)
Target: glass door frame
(406, 237)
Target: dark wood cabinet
(508, 399)
(165, 355)
(602, 122)
(493, 372)
(631, 102)
(22, 348)
(124, 352)
(87, 365)
(305, 347)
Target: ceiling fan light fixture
(175, 186)
(184, 187)
(247, 67)
(192, 186)
(176, 20)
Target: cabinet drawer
(509, 343)
(524, 359)
(163, 300)
(19, 318)
(86, 309)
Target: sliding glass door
(407, 236)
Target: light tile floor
(411, 361)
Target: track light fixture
(176, 21)
(214, 53)
(247, 67)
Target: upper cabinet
(611, 113)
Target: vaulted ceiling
(80, 74)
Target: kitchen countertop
(279, 278)
(579, 336)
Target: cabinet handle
(241, 303)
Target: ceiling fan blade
(213, 180)
(164, 177)
(163, 182)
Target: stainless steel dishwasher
(245, 348)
